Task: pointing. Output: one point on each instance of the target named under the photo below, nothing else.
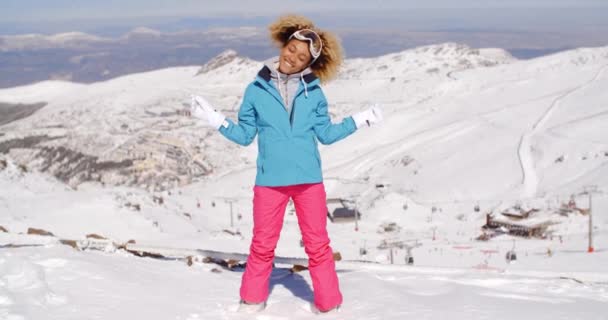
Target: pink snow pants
(269, 205)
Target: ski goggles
(315, 44)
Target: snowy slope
(463, 128)
(59, 283)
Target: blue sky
(60, 10)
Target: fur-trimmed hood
(326, 67)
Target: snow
(42, 41)
(487, 132)
(60, 283)
(144, 30)
(39, 92)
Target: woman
(286, 108)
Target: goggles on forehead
(315, 44)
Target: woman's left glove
(202, 109)
(368, 117)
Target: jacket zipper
(292, 114)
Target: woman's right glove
(368, 117)
(200, 108)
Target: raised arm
(328, 132)
(245, 130)
(242, 132)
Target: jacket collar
(265, 74)
(264, 80)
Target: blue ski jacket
(288, 152)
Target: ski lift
(409, 257)
(409, 260)
(363, 250)
(511, 256)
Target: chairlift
(363, 249)
(409, 260)
(511, 256)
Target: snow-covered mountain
(87, 58)
(444, 103)
(40, 41)
(71, 40)
(466, 132)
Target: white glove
(202, 109)
(368, 117)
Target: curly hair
(326, 67)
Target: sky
(382, 25)
(61, 10)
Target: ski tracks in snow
(525, 152)
(387, 151)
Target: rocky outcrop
(149, 162)
(10, 112)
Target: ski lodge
(527, 228)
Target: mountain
(229, 58)
(443, 104)
(467, 132)
(86, 58)
(41, 41)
